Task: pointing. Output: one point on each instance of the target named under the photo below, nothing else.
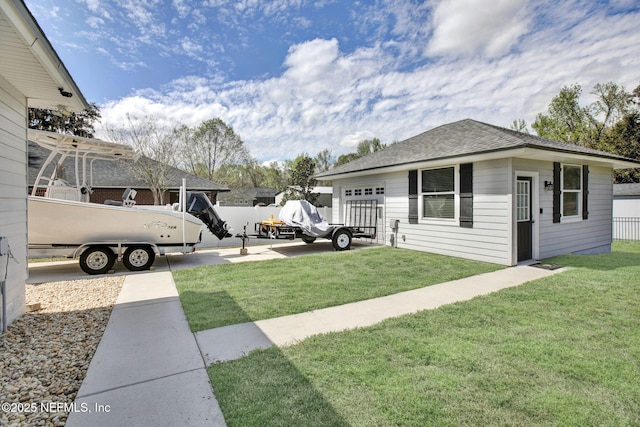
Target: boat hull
(55, 222)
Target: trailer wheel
(341, 240)
(138, 258)
(97, 260)
(308, 239)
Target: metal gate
(363, 214)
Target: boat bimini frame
(84, 150)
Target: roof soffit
(30, 64)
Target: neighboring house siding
(591, 235)
(13, 184)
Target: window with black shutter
(570, 192)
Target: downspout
(5, 251)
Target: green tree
(275, 176)
(80, 124)
(302, 181)
(624, 140)
(565, 121)
(612, 104)
(520, 126)
(364, 148)
(324, 160)
(611, 123)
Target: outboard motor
(200, 206)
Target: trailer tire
(341, 239)
(308, 239)
(138, 258)
(97, 260)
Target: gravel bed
(47, 351)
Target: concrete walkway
(232, 342)
(150, 370)
(147, 370)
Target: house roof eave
(529, 151)
(30, 47)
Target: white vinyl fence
(626, 228)
(239, 216)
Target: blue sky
(294, 76)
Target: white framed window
(348, 193)
(357, 192)
(379, 190)
(368, 191)
(571, 201)
(438, 193)
(523, 200)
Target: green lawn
(564, 350)
(227, 294)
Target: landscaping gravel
(47, 351)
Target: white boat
(64, 222)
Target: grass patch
(227, 294)
(564, 350)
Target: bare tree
(156, 149)
(211, 146)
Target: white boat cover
(300, 213)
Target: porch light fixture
(548, 186)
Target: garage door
(364, 207)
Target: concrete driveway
(70, 270)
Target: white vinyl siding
(489, 239)
(593, 234)
(493, 236)
(13, 191)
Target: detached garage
(478, 191)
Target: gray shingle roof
(464, 137)
(116, 174)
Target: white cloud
(329, 98)
(489, 27)
(93, 5)
(182, 8)
(351, 141)
(95, 22)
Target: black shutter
(585, 191)
(466, 195)
(413, 197)
(556, 192)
